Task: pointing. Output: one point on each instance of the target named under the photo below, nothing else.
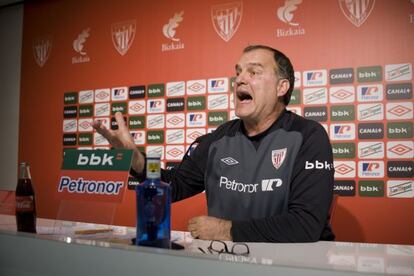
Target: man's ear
(282, 87)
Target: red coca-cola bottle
(25, 201)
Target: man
(268, 177)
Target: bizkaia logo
(400, 188)
(175, 104)
(400, 149)
(175, 120)
(176, 88)
(399, 91)
(371, 131)
(226, 19)
(156, 106)
(85, 96)
(315, 95)
(344, 169)
(342, 131)
(196, 87)
(196, 119)
(285, 14)
(342, 94)
(42, 46)
(78, 47)
(370, 93)
(344, 187)
(138, 136)
(371, 150)
(70, 125)
(175, 136)
(175, 152)
(193, 133)
(85, 125)
(137, 92)
(357, 11)
(399, 72)
(400, 130)
(400, 169)
(219, 85)
(315, 78)
(218, 102)
(136, 107)
(319, 113)
(267, 185)
(155, 121)
(102, 95)
(102, 109)
(341, 75)
(399, 110)
(169, 32)
(370, 112)
(123, 34)
(371, 169)
(119, 93)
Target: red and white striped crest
(42, 47)
(278, 156)
(357, 11)
(123, 35)
(226, 19)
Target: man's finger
(101, 129)
(120, 121)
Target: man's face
(256, 92)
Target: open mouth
(243, 96)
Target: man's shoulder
(303, 125)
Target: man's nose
(241, 78)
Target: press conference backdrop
(168, 66)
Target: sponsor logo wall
(170, 72)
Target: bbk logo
(399, 72)
(342, 113)
(344, 187)
(175, 152)
(341, 75)
(344, 169)
(155, 121)
(217, 118)
(70, 98)
(169, 32)
(118, 107)
(196, 103)
(119, 93)
(400, 130)
(136, 107)
(196, 87)
(399, 91)
(102, 95)
(400, 149)
(370, 131)
(400, 188)
(315, 95)
(218, 102)
(136, 122)
(102, 109)
(78, 45)
(342, 131)
(319, 114)
(196, 119)
(219, 85)
(318, 165)
(194, 133)
(42, 47)
(343, 150)
(156, 106)
(95, 160)
(298, 79)
(70, 111)
(370, 112)
(399, 110)
(371, 188)
(175, 120)
(175, 136)
(357, 11)
(85, 139)
(155, 137)
(400, 169)
(69, 139)
(85, 96)
(70, 125)
(156, 90)
(342, 94)
(371, 169)
(371, 150)
(315, 78)
(137, 92)
(123, 34)
(369, 74)
(85, 125)
(176, 88)
(370, 93)
(226, 19)
(138, 136)
(175, 104)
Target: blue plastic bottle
(153, 207)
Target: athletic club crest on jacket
(278, 156)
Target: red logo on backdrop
(357, 11)
(278, 156)
(123, 35)
(42, 47)
(226, 19)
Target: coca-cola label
(24, 204)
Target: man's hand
(210, 228)
(121, 139)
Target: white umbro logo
(229, 161)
